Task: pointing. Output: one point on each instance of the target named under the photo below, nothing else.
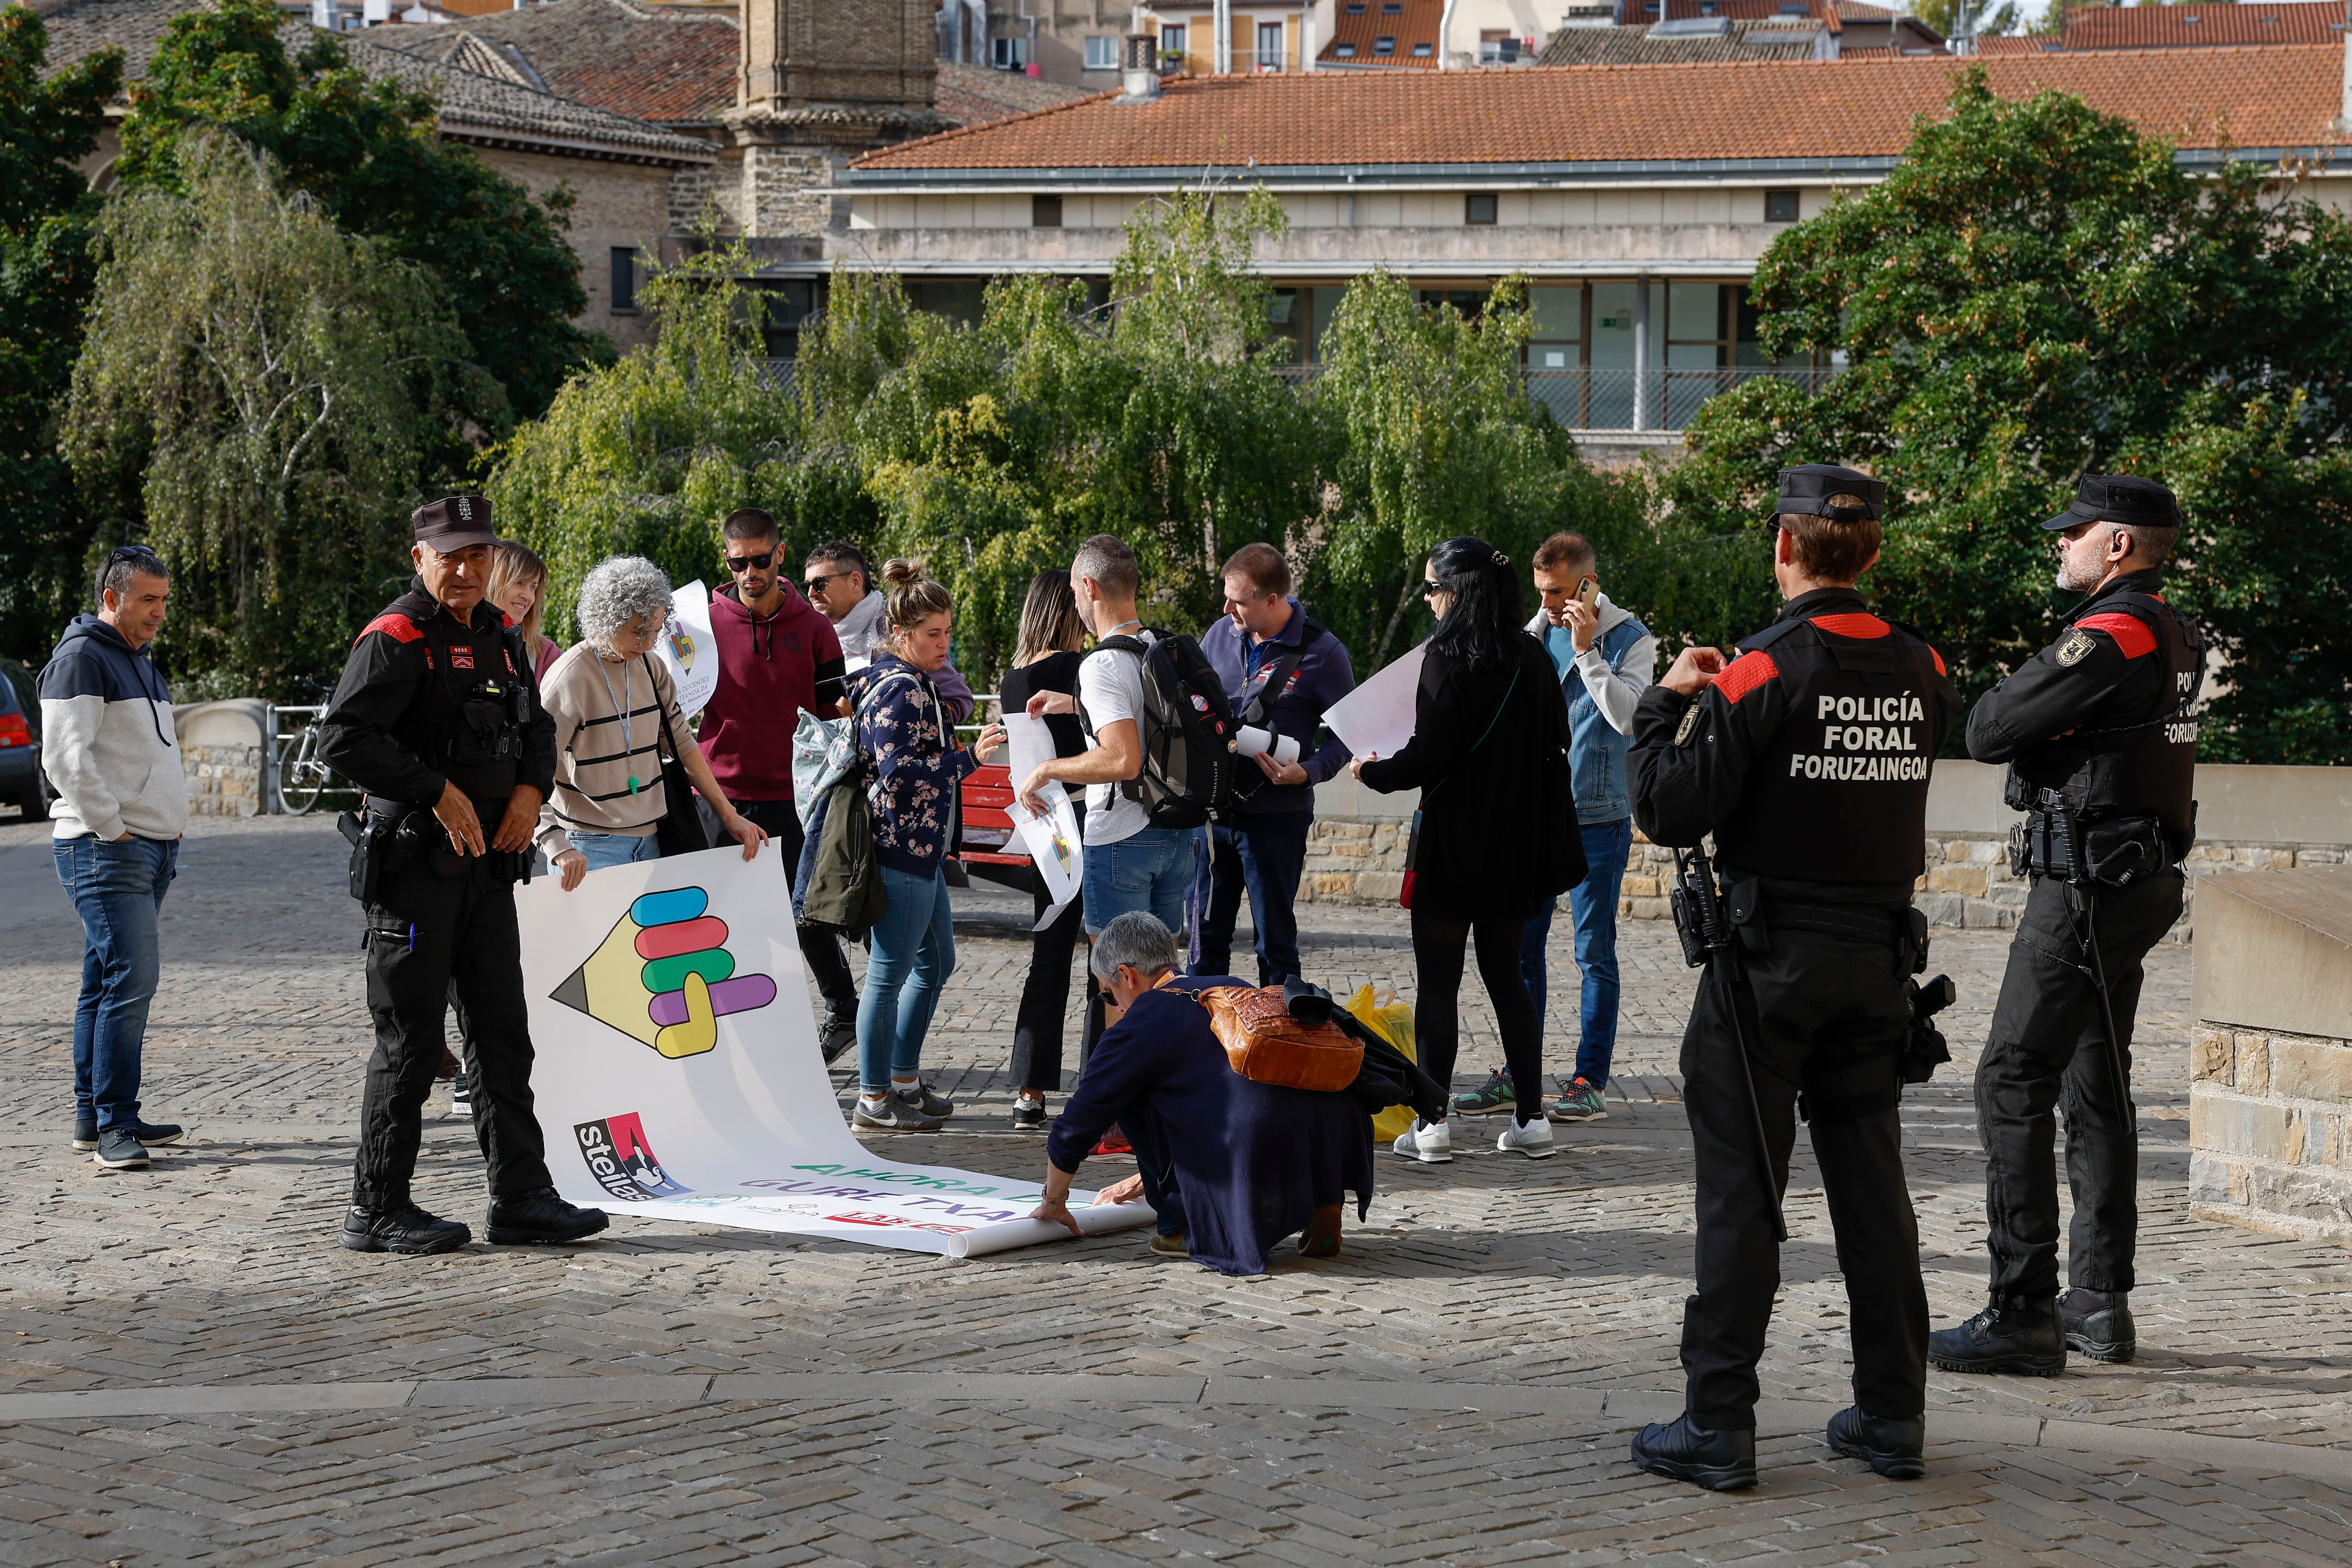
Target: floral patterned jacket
(907, 753)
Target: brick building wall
(618, 205)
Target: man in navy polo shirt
(1281, 670)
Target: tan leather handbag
(1267, 1044)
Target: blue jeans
(116, 887)
(604, 849)
(1592, 904)
(1263, 853)
(1150, 870)
(914, 953)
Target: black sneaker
(401, 1227)
(1495, 1094)
(154, 1132)
(84, 1138)
(2098, 1324)
(1029, 1116)
(1895, 1450)
(1720, 1461)
(119, 1148)
(895, 1114)
(540, 1218)
(461, 1096)
(2021, 1336)
(837, 1034)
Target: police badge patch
(1690, 722)
(2071, 650)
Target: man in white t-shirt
(1130, 864)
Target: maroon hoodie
(770, 668)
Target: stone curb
(1622, 1408)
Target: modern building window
(1780, 207)
(1385, 44)
(1422, 51)
(1343, 51)
(624, 279)
(1355, 7)
(1172, 46)
(1044, 212)
(1270, 52)
(1392, 7)
(1555, 354)
(1498, 48)
(1478, 207)
(1010, 54)
(1102, 54)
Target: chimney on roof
(1139, 69)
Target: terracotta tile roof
(1822, 11)
(1634, 46)
(501, 111)
(670, 65)
(1761, 110)
(1412, 25)
(2203, 27)
(976, 95)
(2014, 43)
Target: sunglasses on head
(759, 562)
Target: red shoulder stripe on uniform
(2131, 633)
(506, 622)
(1747, 672)
(393, 625)
(1854, 624)
(1939, 661)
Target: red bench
(992, 846)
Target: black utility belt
(2116, 853)
(1755, 916)
(393, 834)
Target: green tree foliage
(2037, 293)
(45, 125)
(265, 384)
(368, 150)
(648, 456)
(1981, 17)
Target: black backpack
(1188, 731)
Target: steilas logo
(623, 1162)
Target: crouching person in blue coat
(1231, 1166)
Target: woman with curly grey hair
(609, 800)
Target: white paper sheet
(1377, 717)
(670, 1013)
(1027, 743)
(1053, 842)
(688, 649)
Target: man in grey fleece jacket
(122, 804)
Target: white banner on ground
(678, 1074)
(688, 649)
(1377, 717)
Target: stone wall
(614, 205)
(222, 781)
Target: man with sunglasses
(839, 584)
(778, 657)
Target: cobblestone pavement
(192, 1371)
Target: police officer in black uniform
(438, 718)
(1807, 758)
(2097, 731)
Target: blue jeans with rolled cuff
(116, 887)
(914, 953)
(1592, 904)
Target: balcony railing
(1625, 399)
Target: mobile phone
(1588, 593)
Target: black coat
(1498, 833)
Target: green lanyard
(627, 747)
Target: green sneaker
(1578, 1102)
(1495, 1094)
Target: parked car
(21, 781)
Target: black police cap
(2119, 498)
(453, 523)
(1805, 491)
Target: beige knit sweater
(596, 755)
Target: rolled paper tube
(681, 936)
(662, 909)
(740, 994)
(714, 964)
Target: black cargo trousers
(1833, 1014)
(2047, 1050)
(433, 934)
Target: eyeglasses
(130, 552)
(1430, 590)
(817, 584)
(760, 562)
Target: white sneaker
(1532, 1139)
(1430, 1143)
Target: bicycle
(300, 776)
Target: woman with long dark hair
(1489, 755)
(1046, 658)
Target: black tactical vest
(2127, 765)
(1838, 793)
(468, 717)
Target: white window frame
(1102, 53)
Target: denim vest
(1596, 754)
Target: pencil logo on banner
(664, 977)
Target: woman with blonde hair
(616, 719)
(907, 752)
(518, 585)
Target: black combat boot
(838, 1033)
(1721, 1461)
(2009, 1335)
(401, 1227)
(540, 1218)
(1896, 1449)
(2098, 1324)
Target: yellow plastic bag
(1392, 1021)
